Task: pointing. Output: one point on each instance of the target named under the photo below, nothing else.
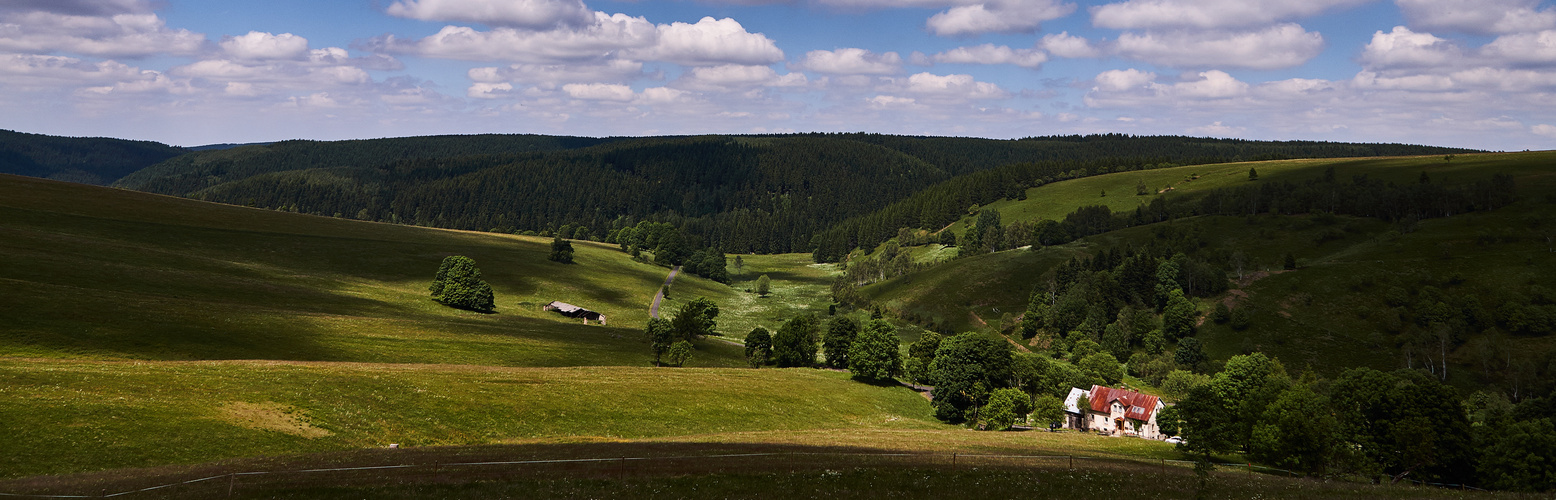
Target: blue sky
(1471, 73)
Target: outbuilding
(573, 311)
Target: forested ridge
(740, 194)
(87, 160)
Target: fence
(235, 483)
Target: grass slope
(70, 416)
(103, 273)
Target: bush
(1241, 318)
(561, 251)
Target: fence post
(232, 481)
(953, 460)
(1164, 466)
(1072, 461)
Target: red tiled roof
(1136, 406)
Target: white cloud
(1481, 17)
(481, 90)
(735, 77)
(958, 87)
(552, 75)
(1280, 46)
(259, 45)
(531, 14)
(29, 72)
(1211, 14)
(1065, 45)
(1123, 80)
(129, 35)
(1544, 130)
(893, 102)
(619, 36)
(608, 35)
(1405, 48)
(600, 92)
(1523, 48)
(990, 54)
(998, 16)
(850, 61)
(710, 42)
(1212, 85)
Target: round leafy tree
(561, 250)
(459, 284)
(759, 347)
(875, 354)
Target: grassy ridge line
(104, 273)
(1054, 201)
(74, 416)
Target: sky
(1467, 73)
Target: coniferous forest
(739, 194)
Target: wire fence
(229, 484)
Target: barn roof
(1137, 406)
(565, 307)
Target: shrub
(459, 284)
(680, 353)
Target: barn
(573, 311)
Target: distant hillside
(87, 160)
(1473, 287)
(742, 194)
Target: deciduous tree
(459, 284)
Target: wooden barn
(573, 311)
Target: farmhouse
(1119, 412)
(573, 311)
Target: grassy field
(109, 274)
(70, 415)
(799, 286)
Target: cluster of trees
(869, 351)
(671, 247)
(87, 160)
(459, 284)
(1394, 425)
(1122, 300)
(671, 340)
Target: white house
(1119, 412)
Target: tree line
(743, 194)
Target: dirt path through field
(653, 310)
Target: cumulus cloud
(1525, 49)
(708, 42)
(1405, 48)
(1280, 46)
(119, 35)
(1208, 14)
(1481, 17)
(259, 45)
(1063, 44)
(1543, 129)
(998, 16)
(991, 54)
(1123, 80)
(951, 87)
(850, 61)
(532, 14)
